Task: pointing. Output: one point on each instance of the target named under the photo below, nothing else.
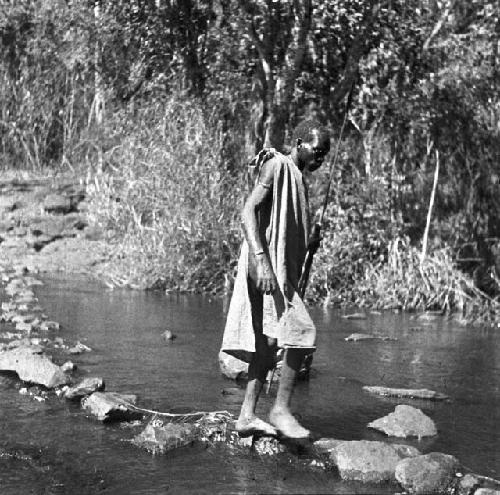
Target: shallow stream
(52, 447)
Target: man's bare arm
(266, 279)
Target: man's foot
(287, 425)
(247, 427)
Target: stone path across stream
(44, 228)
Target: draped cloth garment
(285, 316)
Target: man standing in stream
(266, 312)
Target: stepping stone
(409, 393)
(33, 366)
(111, 406)
(427, 474)
(86, 387)
(368, 461)
(159, 437)
(405, 421)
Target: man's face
(312, 155)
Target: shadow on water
(61, 451)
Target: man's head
(312, 144)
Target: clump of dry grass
(172, 203)
(405, 281)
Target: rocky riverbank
(45, 228)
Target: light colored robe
(285, 317)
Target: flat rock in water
(231, 367)
(368, 461)
(409, 393)
(33, 366)
(355, 316)
(57, 203)
(427, 474)
(86, 387)
(79, 348)
(405, 421)
(160, 437)
(111, 406)
(326, 445)
(355, 337)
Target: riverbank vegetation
(159, 105)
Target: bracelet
(259, 253)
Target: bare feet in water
(287, 425)
(254, 426)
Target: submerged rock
(368, 461)
(86, 387)
(427, 474)
(405, 421)
(355, 316)
(111, 406)
(31, 365)
(421, 393)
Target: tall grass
(174, 207)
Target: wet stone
(85, 387)
(421, 393)
(57, 203)
(159, 437)
(326, 445)
(427, 474)
(355, 316)
(68, 367)
(79, 348)
(111, 406)
(356, 337)
(368, 461)
(31, 365)
(467, 485)
(405, 421)
(46, 326)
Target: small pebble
(168, 335)
(68, 367)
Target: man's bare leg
(248, 423)
(280, 415)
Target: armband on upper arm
(265, 186)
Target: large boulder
(409, 393)
(368, 461)
(405, 421)
(111, 406)
(84, 388)
(427, 474)
(33, 366)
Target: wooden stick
(429, 213)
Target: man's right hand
(266, 279)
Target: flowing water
(52, 447)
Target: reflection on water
(70, 454)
